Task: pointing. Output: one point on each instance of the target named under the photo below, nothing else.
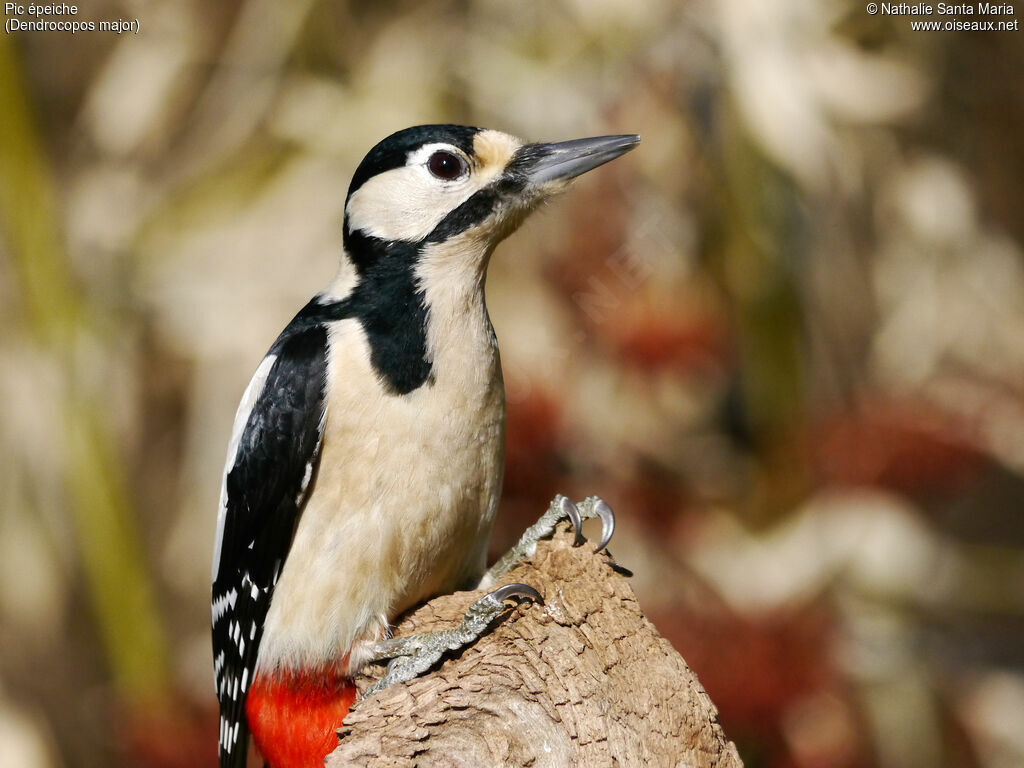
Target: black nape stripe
(363, 249)
(391, 309)
(393, 312)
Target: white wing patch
(249, 398)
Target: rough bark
(584, 680)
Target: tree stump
(583, 680)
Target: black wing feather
(276, 456)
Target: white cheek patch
(407, 203)
(404, 203)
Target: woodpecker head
(458, 190)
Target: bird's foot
(413, 655)
(561, 509)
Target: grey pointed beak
(566, 160)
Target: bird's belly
(400, 509)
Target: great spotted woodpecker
(365, 464)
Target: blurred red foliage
(759, 669)
(169, 734)
(908, 447)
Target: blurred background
(784, 339)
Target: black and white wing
(271, 459)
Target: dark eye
(446, 165)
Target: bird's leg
(413, 655)
(560, 509)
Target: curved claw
(516, 589)
(571, 511)
(603, 511)
(620, 569)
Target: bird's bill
(566, 160)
